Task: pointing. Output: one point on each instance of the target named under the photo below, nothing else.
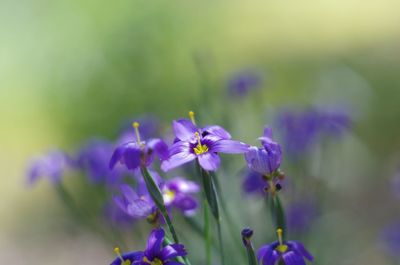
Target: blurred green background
(74, 69)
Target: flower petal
(182, 185)
(173, 263)
(186, 203)
(229, 146)
(131, 256)
(128, 193)
(140, 208)
(173, 251)
(264, 250)
(177, 160)
(258, 160)
(209, 161)
(299, 247)
(154, 243)
(159, 147)
(216, 130)
(184, 129)
(293, 258)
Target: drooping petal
(131, 256)
(292, 258)
(258, 160)
(299, 247)
(184, 129)
(229, 146)
(177, 160)
(159, 147)
(216, 130)
(140, 208)
(186, 203)
(270, 257)
(154, 243)
(128, 154)
(173, 251)
(209, 161)
(264, 250)
(253, 182)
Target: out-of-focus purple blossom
(389, 239)
(51, 166)
(265, 160)
(290, 252)
(154, 254)
(115, 215)
(300, 215)
(203, 144)
(94, 157)
(149, 128)
(242, 83)
(301, 129)
(139, 153)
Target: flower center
(154, 262)
(200, 148)
(281, 247)
(169, 196)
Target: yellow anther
(136, 127)
(123, 262)
(200, 148)
(191, 116)
(154, 262)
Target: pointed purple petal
(154, 242)
(186, 203)
(293, 258)
(159, 147)
(217, 131)
(173, 251)
(128, 193)
(140, 208)
(182, 185)
(209, 161)
(229, 146)
(184, 129)
(177, 160)
(299, 247)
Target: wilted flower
(154, 254)
(51, 166)
(290, 252)
(136, 153)
(267, 159)
(242, 83)
(201, 143)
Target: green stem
(207, 234)
(277, 213)
(250, 255)
(158, 199)
(221, 243)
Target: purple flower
(265, 160)
(290, 252)
(256, 183)
(301, 129)
(139, 153)
(149, 128)
(390, 239)
(300, 215)
(177, 192)
(242, 83)
(51, 166)
(93, 158)
(203, 144)
(154, 254)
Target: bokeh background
(70, 70)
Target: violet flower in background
(242, 83)
(139, 153)
(154, 254)
(290, 252)
(203, 144)
(253, 182)
(94, 157)
(51, 166)
(300, 215)
(301, 129)
(389, 239)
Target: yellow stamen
(191, 115)
(123, 262)
(154, 262)
(200, 148)
(281, 247)
(136, 127)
